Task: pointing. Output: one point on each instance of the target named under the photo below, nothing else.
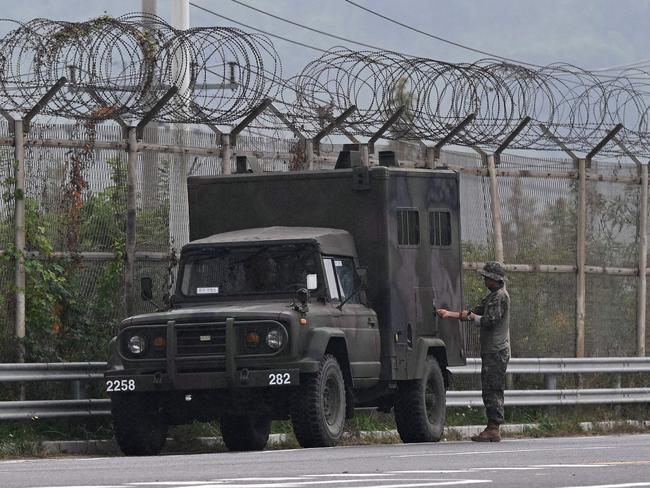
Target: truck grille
(201, 339)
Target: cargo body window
(440, 228)
(341, 279)
(408, 227)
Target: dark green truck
(301, 296)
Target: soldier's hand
(443, 313)
(472, 316)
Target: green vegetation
(73, 306)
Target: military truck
(301, 296)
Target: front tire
(138, 425)
(245, 432)
(420, 406)
(318, 406)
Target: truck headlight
(137, 344)
(274, 339)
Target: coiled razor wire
(123, 66)
(579, 107)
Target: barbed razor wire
(123, 66)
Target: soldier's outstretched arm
(448, 314)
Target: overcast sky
(587, 33)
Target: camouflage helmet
(493, 270)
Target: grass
(24, 438)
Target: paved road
(612, 461)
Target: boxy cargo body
(406, 226)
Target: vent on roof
(387, 158)
(348, 159)
(248, 164)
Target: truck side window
(330, 275)
(345, 273)
(340, 274)
(408, 227)
(440, 228)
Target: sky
(590, 34)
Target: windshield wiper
(347, 299)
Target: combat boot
(490, 434)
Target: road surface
(605, 461)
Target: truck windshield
(254, 270)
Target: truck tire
(245, 432)
(138, 425)
(420, 406)
(318, 406)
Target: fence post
(495, 207)
(492, 162)
(309, 153)
(178, 206)
(394, 117)
(643, 264)
(20, 237)
(365, 157)
(334, 123)
(433, 153)
(129, 270)
(20, 127)
(581, 243)
(581, 258)
(225, 154)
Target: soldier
(493, 318)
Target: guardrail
(20, 372)
(74, 373)
(549, 367)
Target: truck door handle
(371, 321)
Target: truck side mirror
(303, 296)
(146, 289)
(312, 281)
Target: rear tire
(318, 406)
(420, 406)
(138, 425)
(245, 432)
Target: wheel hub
(331, 401)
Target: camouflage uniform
(493, 318)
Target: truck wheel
(420, 406)
(245, 432)
(318, 406)
(138, 425)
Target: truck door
(358, 322)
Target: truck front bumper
(124, 381)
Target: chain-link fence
(539, 220)
(76, 214)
